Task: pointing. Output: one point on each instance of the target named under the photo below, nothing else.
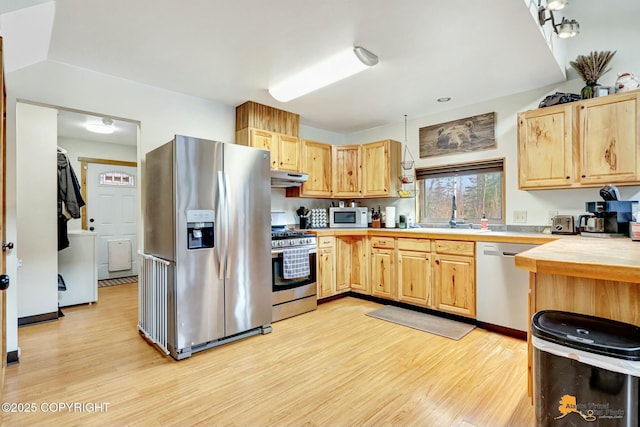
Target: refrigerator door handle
(220, 247)
(228, 226)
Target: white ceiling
(231, 51)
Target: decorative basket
(407, 193)
(406, 179)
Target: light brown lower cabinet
(414, 272)
(454, 277)
(325, 267)
(351, 264)
(383, 276)
(437, 274)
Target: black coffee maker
(611, 216)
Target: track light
(566, 28)
(340, 66)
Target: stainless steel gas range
(293, 264)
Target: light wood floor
(331, 367)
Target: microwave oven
(348, 217)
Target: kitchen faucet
(452, 221)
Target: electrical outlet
(550, 215)
(520, 217)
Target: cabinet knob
(4, 282)
(568, 177)
(438, 261)
(584, 176)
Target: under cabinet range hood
(284, 179)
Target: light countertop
(474, 235)
(615, 259)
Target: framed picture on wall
(458, 136)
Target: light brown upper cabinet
(284, 149)
(288, 153)
(316, 162)
(381, 168)
(545, 144)
(609, 137)
(581, 144)
(347, 170)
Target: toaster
(563, 224)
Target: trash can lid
(589, 333)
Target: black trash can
(586, 370)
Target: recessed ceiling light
(444, 99)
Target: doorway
(111, 212)
(106, 164)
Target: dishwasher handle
(499, 253)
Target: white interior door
(112, 214)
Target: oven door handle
(276, 252)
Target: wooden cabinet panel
(454, 247)
(609, 140)
(288, 153)
(545, 140)
(352, 264)
(266, 141)
(326, 242)
(325, 267)
(455, 284)
(383, 242)
(381, 168)
(581, 144)
(317, 163)
(383, 277)
(414, 277)
(422, 245)
(284, 149)
(347, 167)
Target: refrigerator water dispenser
(200, 232)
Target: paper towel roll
(390, 217)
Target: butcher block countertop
(616, 259)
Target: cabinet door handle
(438, 261)
(568, 177)
(584, 176)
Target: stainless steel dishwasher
(502, 289)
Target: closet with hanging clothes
(69, 197)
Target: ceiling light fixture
(340, 66)
(566, 28)
(106, 127)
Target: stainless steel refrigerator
(207, 211)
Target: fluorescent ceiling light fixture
(106, 127)
(340, 66)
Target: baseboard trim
(38, 318)
(12, 357)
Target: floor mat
(425, 322)
(118, 281)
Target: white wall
(36, 190)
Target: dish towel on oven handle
(295, 263)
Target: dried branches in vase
(591, 68)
